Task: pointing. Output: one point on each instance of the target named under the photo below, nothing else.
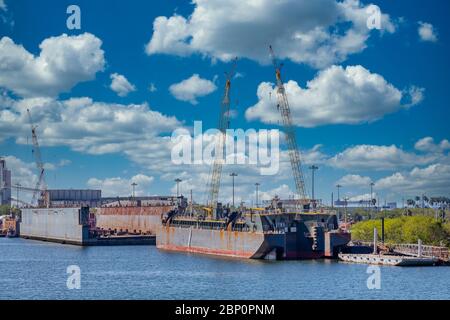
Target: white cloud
(318, 33)
(112, 187)
(427, 144)
(427, 32)
(372, 157)
(335, 96)
(192, 88)
(432, 180)
(3, 5)
(21, 172)
(63, 62)
(64, 163)
(85, 125)
(120, 85)
(352, 180)
(363, 197)
(283, 191)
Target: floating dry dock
(72, 226)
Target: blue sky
(358, 122)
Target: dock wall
(145, 220)
(64, 225)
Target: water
(37, 270)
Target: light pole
(257, 185)
(133, 185)
(338, 188)
(232, 175)
(178, 180)
(345, 211)
(371, 196)
(313, 169)
(18, 187)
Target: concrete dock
(72, 226)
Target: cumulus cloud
(352, 180)
(120, 85)
(85, 125)
(283, 191)
(113, 187)
(3, 5)
(337, 95)
(373, 157)
(427, 32)
(432, 180)
(318, 33)
(22, 172)
(63, 62)
(362, 197)
(427, 144)
(192, 88)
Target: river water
(38, 270)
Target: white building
(5, 184)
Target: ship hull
(238, 244)
(212, 242)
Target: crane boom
(294, 153)
(41, 186)
(224, 123)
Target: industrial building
(5, 184)
(75, 197)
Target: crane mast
(224, 123)
(41, 186)
(294, 153)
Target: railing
(427, 251)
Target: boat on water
(274, 233)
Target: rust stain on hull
(134, 219)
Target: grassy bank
(405, 230)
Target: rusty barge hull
(237, 244)
(267, 235)
(213, 242)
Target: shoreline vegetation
(406, 229)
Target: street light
(178, 180)
(232, 175)
(313, 169)
(133, 185)
(371, 196)
(18, 187)
(257, 185)
(338, 188)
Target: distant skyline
(369, 101)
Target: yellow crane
(224, 124)
(293, 150)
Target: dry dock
(72, 226)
